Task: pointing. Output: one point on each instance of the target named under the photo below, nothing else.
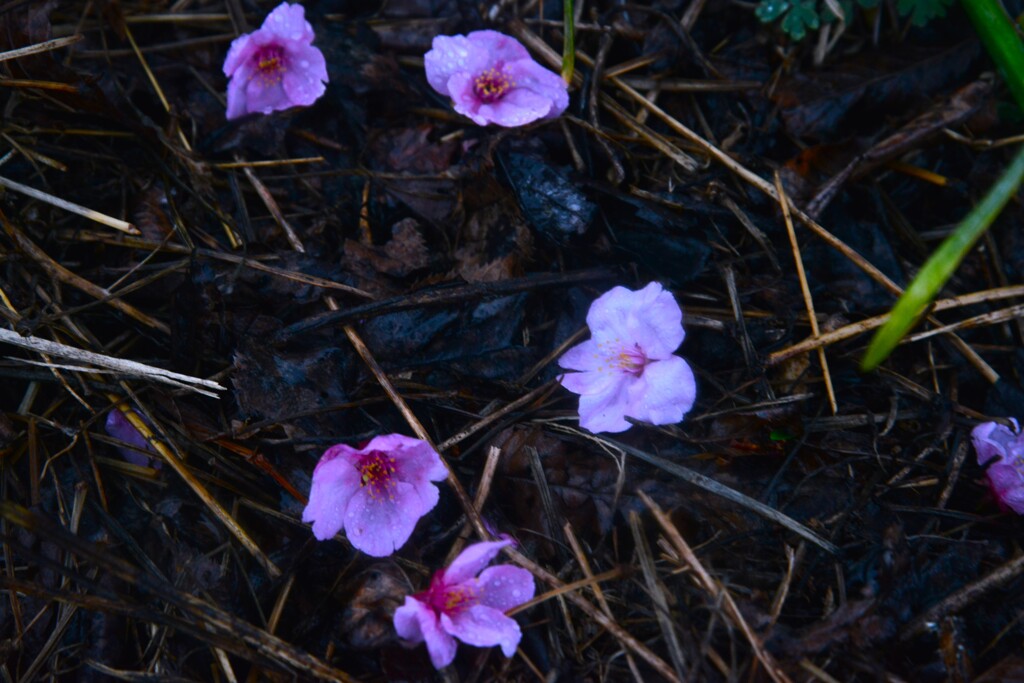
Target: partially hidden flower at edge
(120, 428)
(460, 604)
(994, 441)
(627, 368)
(276, 66)
(376, 493)
(491, 78)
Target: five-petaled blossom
(276, 66)
(460, 604)
(491, 78)
(1006, 475)
(626, 368)
(377, 492)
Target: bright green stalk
(999, 36)
(922, 291)
(569, 43)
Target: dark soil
(465, 259)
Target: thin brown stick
(805, 290)
(127, 367)
(197, 487)
(714, 589)
(59, 272)
(101, 218)
(274, 209)
(965, 596)
(488, 420)
(44, 46)
(854, 329)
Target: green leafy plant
(797, 17)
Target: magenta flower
(1006, 475)
(626, 367)
(276, 66)
(460, 604)
(377, 493)
(120, 428)
(491, 78)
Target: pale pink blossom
(376, 493)
(626, 368)
(460, 604)
(276, 66)
(491, 78)
(994, 441)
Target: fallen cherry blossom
(994, 441)
(491, 78)
(460, 604)
(627, 369)
(376, 493)
(276, 66)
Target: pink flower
(461, 605)
(492, 79)
(377, 493)
(276, 66)
(120, 428)
(627, 367)
(1006, 475)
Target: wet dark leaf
(849, 95)
(552, 204)
(371, 599)
(272, 384)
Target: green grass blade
(940, 266)
(998, 34)
(569, 42)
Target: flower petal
(650, 317)
(416, 460)
(993, 439)
(450, 55)
(416, 623)
(484, 626)
(471, 560)
(335, 481)
(241, 51)
(265, 97)
(518, 107)
(504, 587)
(120, 428)
(584, 356)
(501, 48)
(530, 76)
(304, 76)
(379, 525)
(606, 412)
(664, 393)
(288, 22)
(591, 383)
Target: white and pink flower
(276, 66)
(376, 493)
(627, 368)
(491, 78)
